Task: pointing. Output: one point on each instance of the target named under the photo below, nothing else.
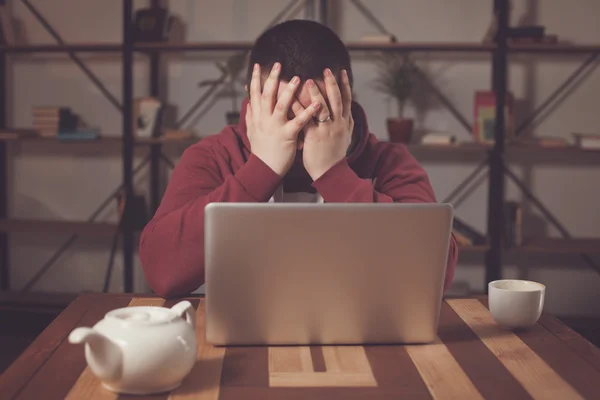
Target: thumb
(248, 116)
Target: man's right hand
(273, 136)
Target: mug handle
(187, 308)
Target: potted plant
(230, 71)
(397, 76)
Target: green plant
(230, 71)
(397, 75)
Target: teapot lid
(143, 315)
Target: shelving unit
(492, 156)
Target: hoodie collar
(360, 134)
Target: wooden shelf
(103, 140)
(469, 147)
(545, 246)
(58, 48)
(553, 48)
(58, 227)
(421, 46)
(559, 246)
(240, 46)
(509, 149)
(193, 46)
(352, 46)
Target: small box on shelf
(484, 111)
(587, 141)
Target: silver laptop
(307, 273)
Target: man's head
(304, 48)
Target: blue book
(90, 134)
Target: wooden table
(472, 359)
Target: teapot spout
(104, 357)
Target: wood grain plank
(316, 393)
(15, 378)
(148, 302)
(573, 369)
(204, 380)
(246, 366)
(347, 359)
(581, 346)
(444, 378)
(58, 374)
(290, 359)
(88, 386)
(536, 376)
(394, 371)
(346, 366)
(486, 372)
(321, 379)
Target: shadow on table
(462, 333)
(204, 376)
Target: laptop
(306, 273)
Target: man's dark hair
(303, 47)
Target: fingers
(297, 108)
(269, 93)
(285, 100)
(333, 94)
(316, 96)
(346, 95)
(303, 115)
(255, 91)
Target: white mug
(516, 304)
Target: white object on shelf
(438, 139)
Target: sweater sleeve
(400, 178)
(172, 244)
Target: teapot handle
(187, 308)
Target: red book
(484, 120)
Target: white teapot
(141, 350)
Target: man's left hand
(328, 136)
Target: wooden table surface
(471, 359)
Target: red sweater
(221, 168)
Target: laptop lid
(298, 273)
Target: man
(302, 138)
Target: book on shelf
(378, 39)
(544, 40)
(589, 141)
(461, 239)
(177, 134)
(513, 222)
(438, 139)
(528, 31)
(49, 121)
(79, 134)
(484, 111)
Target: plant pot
(400, 130)
(232, 118)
